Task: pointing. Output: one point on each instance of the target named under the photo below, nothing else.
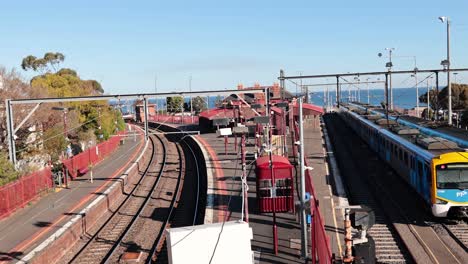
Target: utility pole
(156, 91)
(304, 241)
(191, 102)
(390, 50)
(338, 92)
(446, 64)
(449, 84)
(428, 98)
(368, 95)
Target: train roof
(457, 135)
(453, 131)
(427, 155)
(426, 146)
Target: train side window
(412, 162)
(405, 158)
(400, 156)
(428, 172)
(420, 169)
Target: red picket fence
(81, 162)
(17, 194)
(320, 242)
(163, 118)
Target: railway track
(102, 244)
(135, 231)
(388, 245)
(458, 230)
(403, 207)
(191, 206)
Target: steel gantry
(282, 77)
(11, 130)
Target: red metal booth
(283, 192)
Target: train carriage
(439, 174)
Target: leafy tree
(464, 119)
(7, 171)
(198, 105)
(67, 71)
(50, 61)
(459, 97)
(89, 119)
(175, 104)
(28, 62)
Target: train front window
(452, 176)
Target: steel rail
(368, 73)
(195, 213)
(94, 237)
(171, 209)
(131, 96)
(380, 189)
(117, 244)
(455, 237)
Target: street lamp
(446, 64)
(415, 75)
(389, 66)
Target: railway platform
(27, 228)
(225, 198)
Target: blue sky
(124, 44)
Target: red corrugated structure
(174, 119)
(282, 193)
(17, 194)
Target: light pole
(415, 75)
(191, 102)
(446, 64)
(368, 95)
(455, 77)
(389, 66)
(358, 89)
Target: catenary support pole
(282, 88)
(386, 97)
(11, 134)
(304, 240)
(436, 106)
(449, 85)
(338, 91)
(145, 106)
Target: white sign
(225, 131)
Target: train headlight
(438, 201)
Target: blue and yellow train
(437, 169)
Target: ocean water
(402, 97)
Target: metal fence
(80, 164)
(17, 194)
(174, 119)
